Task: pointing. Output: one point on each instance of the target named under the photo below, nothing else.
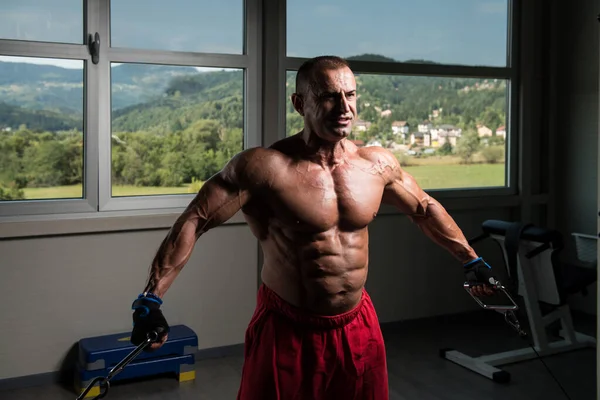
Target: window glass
(179, 25)
(41, 128)
(447, 132)
(42, 20)
(173, 126)
(464, 32)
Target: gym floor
(416, 371)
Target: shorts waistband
(271, 300)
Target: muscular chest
(316, 199)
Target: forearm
(217, 201)
(440, 227)
(173, 253)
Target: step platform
(98, 355)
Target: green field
(457, 175)
(438, 176)
(74, 191)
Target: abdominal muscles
(321, 272)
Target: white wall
(54, 291)
(57, 290)
(411, 277)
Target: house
(420, 139)
(444, 129)
(425, 126)
(501, 132)
(400, 127)
(447, 137)
(483, 131)
(386, 113)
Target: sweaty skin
(309, 199)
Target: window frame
(511, 73)
(265, 101)
(19, 48)
(97, 199)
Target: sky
(468, 32)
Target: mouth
(342, 121)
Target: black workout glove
(478, 272)
(148, 317)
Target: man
(309, 199)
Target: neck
(323, 152)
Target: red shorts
(294, 355)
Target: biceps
(407, 196)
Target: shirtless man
(309, 199)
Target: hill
(47, 87)
(170, 98)
(37, 120)
(187, 99)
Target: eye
(327, 97)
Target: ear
(298, 103)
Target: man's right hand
(480, 277)
(147, 317)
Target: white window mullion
(178, 58)
(104, 99)
(253, 81)
(42, 49)
(92, 105)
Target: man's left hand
(480, 277)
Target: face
(329, 107)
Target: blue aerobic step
(98, 355)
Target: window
(175, 131)
(110, 107)
(434, 82)
(41, 128)
(162, 108)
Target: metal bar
(104, 106)
(51, 206)
(20, 48)
(124, 55)
(91, 115)
(253, 77)
(123, 363)
(471, 363)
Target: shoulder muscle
(402, 190)
(384, 161)
(253, 168)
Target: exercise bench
(544, 283)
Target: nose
(344, 104)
